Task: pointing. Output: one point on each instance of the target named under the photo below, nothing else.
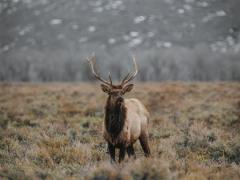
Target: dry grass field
(53, 131)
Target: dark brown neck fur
(115, 116)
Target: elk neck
(115, 117)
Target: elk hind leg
(144, 143)
(131, 152)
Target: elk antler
(96, 75)
(130, 76)
(109, 77)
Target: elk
(126, 120)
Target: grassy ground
(53, 131)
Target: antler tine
(126, 77)
(131, 76)
(109, 76)
(97, 76)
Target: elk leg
(122, 154)
(144, 143)
(131, 152)
(111, 150)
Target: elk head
(115, 92)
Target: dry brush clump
(50, 131)
(150, 168)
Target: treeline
(176, 63)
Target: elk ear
(105, 88)
(127, 88)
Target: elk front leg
(122, 154)
(144, 143)
(111, 150)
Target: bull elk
(126, 120)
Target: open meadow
(54, 131)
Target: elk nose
(120, 99)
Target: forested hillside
(48, 40)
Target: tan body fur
(136, 123)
